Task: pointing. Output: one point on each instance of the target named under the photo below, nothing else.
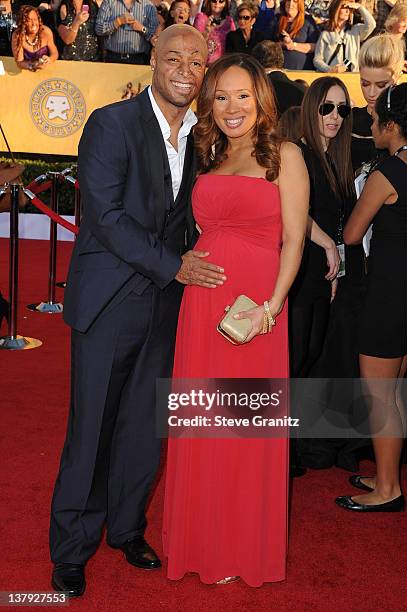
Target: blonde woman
(396, 22)
(381, 64)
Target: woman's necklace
(399, 150)
(33, 43)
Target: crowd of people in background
(321, 35)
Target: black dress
(311, 293)
(335, 354)
(383, 325)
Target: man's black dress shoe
(140, 554)
(355, 481)
(69, 578)
(395, 505)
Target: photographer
(215, 22)
(338, 46)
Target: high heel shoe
(228, 580)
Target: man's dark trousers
(122, 304)
(111, 452)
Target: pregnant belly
(251, 267)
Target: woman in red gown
(226, 499)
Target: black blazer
(123, 174)
(236, 43)
(287, 92)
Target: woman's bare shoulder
(289, 152)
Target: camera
(348, 64)
(216, 21)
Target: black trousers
(111, 451)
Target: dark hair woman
(215, 22)
(217, 489)
(76, 27)
(383, 324)
(297, 33)
(245, 37)
(318, 344)
(326, 129)
(32, 42)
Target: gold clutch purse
(236, 330)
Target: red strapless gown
(225, 510)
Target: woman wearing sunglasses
(383, 324)
(245, 37)
(326, 128)
(338, 46)
(214, 22)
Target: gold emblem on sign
(57, 108)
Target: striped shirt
(124, 39)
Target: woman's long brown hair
(211, 143)
(22, 20)
(339, 148)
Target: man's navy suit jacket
(126, 190)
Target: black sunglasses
(244, 17)
(327, 107)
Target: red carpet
(337, 560)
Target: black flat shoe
(140, 554)
(395, 505)
(355, 481)
(69, 578)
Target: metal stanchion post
(51, 307)
(13, 341)
(77, 214)
(78, 210)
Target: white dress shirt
(175, 158)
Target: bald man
(128, 267)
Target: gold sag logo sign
(57, 108)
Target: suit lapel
(157, 159)
(187, 170)
(188, 178)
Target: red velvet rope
(52, 215)
(39, 187)
(36, 188)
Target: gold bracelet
(270, 319)
(265, 324)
